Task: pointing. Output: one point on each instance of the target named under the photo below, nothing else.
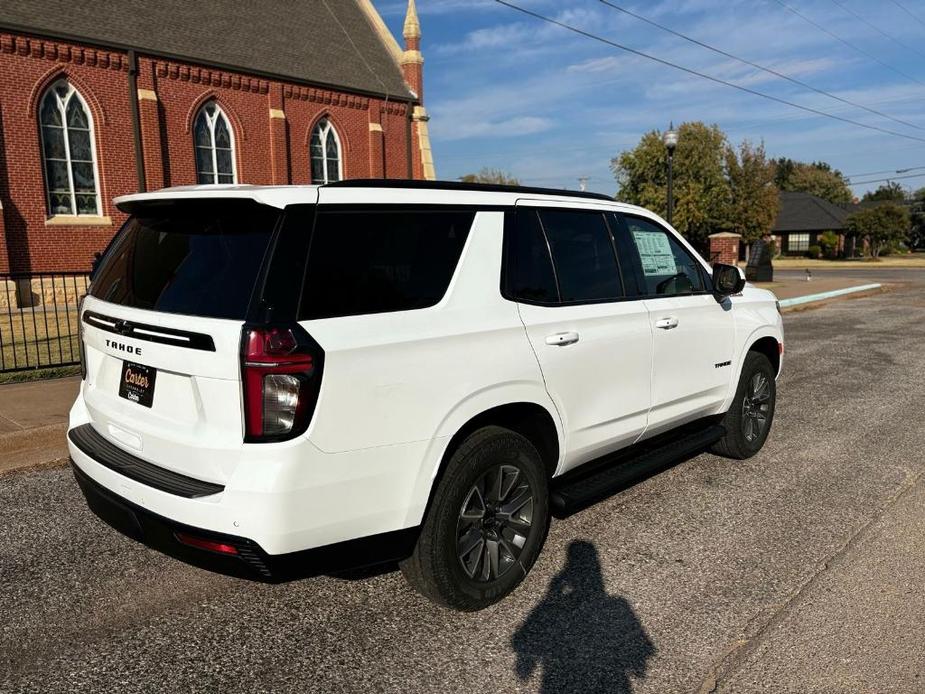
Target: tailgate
(193, 424)
(162, 332)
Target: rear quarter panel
(417, 375)
(395, 380)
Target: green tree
(889, 191)
(717, 187)
(701, 191)
(917, 235)
(753, 198)
(488, 175)
(882, 226)
(817, 178)
(783, 170)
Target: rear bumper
(161, 533)
(249, 560)
(286, 497)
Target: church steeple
(412, 28)
(412, 66)
(412, 61)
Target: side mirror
(727, 280)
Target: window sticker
(655, 252)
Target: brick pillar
(724, 248)
(376, 144)
(149, 116)
(279, 145)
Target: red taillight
(203, 543)
(280, 372)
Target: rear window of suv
(376, 261)
(199, 258)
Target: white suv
(287, 380)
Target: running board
(572, 495)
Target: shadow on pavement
(583, 639)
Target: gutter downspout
(136, 120)
(409, 136)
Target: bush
(895, 248)
(814, 251)
(829, 243)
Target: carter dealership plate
(137, 383)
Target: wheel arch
(769, 347)
(537, 422)
(529, 419)
(765, 340)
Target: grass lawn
(912, 260)
(38, 337)
(39, 374)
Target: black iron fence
(38, 319)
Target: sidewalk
(792, 288)
(33, 421)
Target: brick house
(803, 218)
(99, 99)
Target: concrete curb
(33, 447)
(822, 296)
(33, 465)
(33, 437)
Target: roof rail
(458, 185)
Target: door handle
(667, 323)
(562, 339)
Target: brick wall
(271, 120)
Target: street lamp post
(670, 138)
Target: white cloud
(608, 63)
(518, 126)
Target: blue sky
(507, 91)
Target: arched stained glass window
(325, 153)
(214, 146)
(69, 152)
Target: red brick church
(101, 98)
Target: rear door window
(530, 276)
(380, 260)
(583, 254)
(198, 258)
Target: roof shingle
(325, 42)
(805, 212)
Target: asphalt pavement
(800, 569)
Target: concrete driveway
(798, 570)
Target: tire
(488, 460)
(749, 418)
